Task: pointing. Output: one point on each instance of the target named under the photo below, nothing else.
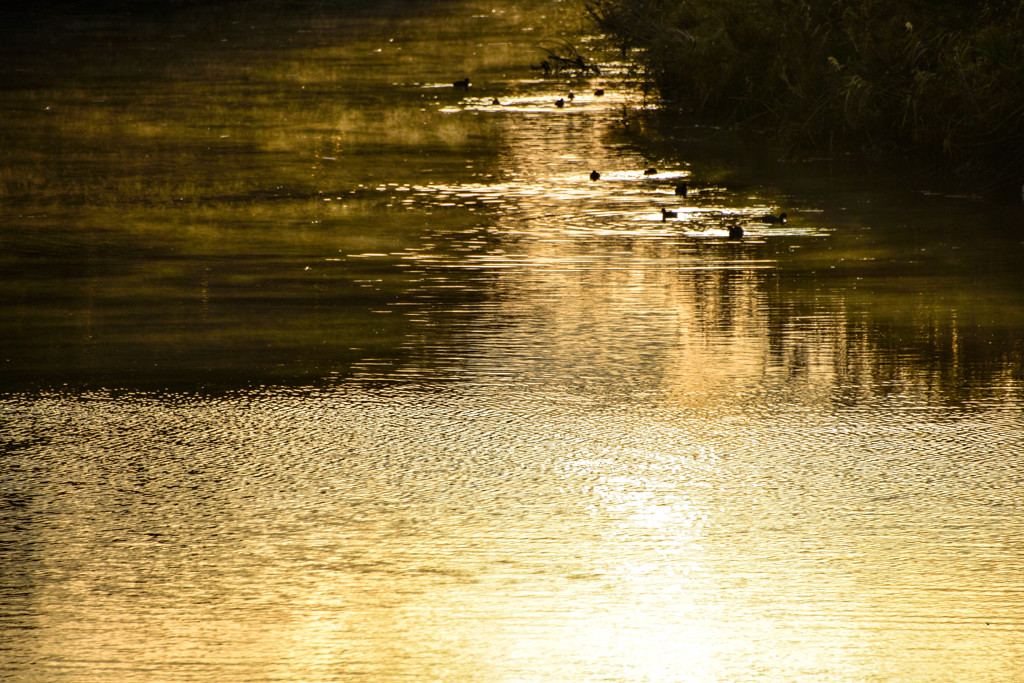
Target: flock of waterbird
(463, 84)
(683, 189)
(736, 231)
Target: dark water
(316, 368)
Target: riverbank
(941, 83)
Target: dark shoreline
(941, 84)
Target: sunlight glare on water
(490, 533)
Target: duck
(496, 101)
(682, 189)
(594, 175)
(599, 92)
(651, 171)
(464, 83)
(735, 232)
(544, 66)
(665, 215)
(571, 96)
(769, 218)
(560, 102)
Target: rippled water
(316, 368)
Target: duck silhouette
(735, 232)
(599, 92)
(572, 96)
(651, 171)
(682, 189)
(496, 101)
(769, 218)
(559, 102)
(665, 215)
(594, 175)
(464, 83)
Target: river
(316, 367)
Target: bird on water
(560, 102)
(682, 189)
(464, 83)
(665, 215)
(735, 232)
(769, 218)
(651, 171)
(594, 175)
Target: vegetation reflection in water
(513, 425)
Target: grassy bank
(942, 80)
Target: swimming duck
(572, 96)
(496, 101)
(594, 175)
(559, 102)
(735, 232)
(464, 83)
(599, 92)
(668, 214)
(651, 171)
(769, 218)
(682, 189)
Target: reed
(942, 80)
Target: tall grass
(942, 79)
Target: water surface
(317, 368)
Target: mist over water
(316, 367)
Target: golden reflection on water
(494, 533)
(553, 436)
